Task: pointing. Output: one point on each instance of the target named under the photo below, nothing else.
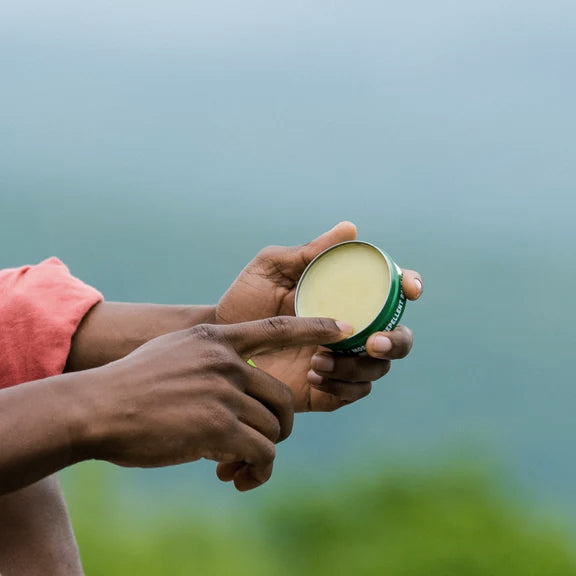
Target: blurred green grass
(447, 521)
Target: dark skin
(37, 537)
(309, 374)
(319, 380)
(180, 397)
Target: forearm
(112, 330)
(37, 536)
(41, 426)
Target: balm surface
(349, 282)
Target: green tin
(354, 279)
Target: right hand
(190, 395)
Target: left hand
(319, 379)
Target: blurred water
(157, 147)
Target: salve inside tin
(355, 282)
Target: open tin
(355, 282)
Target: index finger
(277, 332)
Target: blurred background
(156, 147)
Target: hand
(191, 394)
(319, 380)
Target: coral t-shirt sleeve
(40, 310)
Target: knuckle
(267, 452)
(277, 327)
(268, 256)
(285, 396)
(284, 399)
(229, 366)
(220, 360)
(269, 252)
(205, 332)
(283, 409)
(221, 422)
(274, 431)
(284, 432)
(277, 323)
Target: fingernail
(345, 328)
(382, 345)
(323, 363)
(418, 283)
(313, 378)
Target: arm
(318, 379)
(40, 308)
(112, 330)
(181, 397)
(37, 537)
(38, 422)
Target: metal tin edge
(390, 313)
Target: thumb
(342, 232)
(291, 261)
(259, 336)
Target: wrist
(49, 436)
(83, 398)
(112, 330)
(194, 315)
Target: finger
(286, 263)
(249, 477)
(350, 392)
(272, 417)
(245, 476)
(259, 400)
(276, 399)
(259, 336)
(342, 232)
(248, 449)
(412, 284)
(254, 469)
(390, 345)
(226, 470)
(321, 401)
(349, 368)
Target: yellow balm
(347, 284)
(355, 282)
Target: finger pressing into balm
(355, 282)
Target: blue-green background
(155, 147)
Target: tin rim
(390, 312)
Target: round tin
(325, 282)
